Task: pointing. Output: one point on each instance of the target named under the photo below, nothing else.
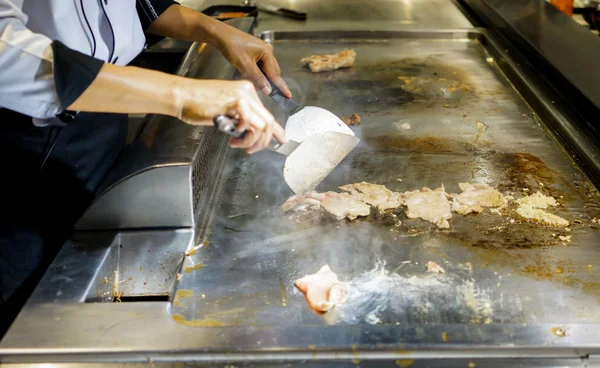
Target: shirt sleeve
(30, 82)
(150, 10)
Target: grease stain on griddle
(405, 363)
(420, 145)
(524, 170)
(283, 293)
(537, 263)
(195, 267)
(182, 294)
(179, 318)
(427, 80)
(362, 93)
(559, 331)
(355, 354)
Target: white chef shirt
(108, 30)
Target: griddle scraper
(308, 162)
(304, 121)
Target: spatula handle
(228, 126)
(290, 106)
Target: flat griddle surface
(497, 272)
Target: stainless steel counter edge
(430, 363)
(96, 332)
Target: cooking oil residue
(117, 294)
(355, 356)
(197, 322)
(445, 337)
(181, 294)
(481, 127)
(283, 294)
(194, 267)
(313, 351)
(419, 145)
(432, 79)
(558, 331)
(226, 313)
(193, 251)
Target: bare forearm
(241, 49)
(131, 90)
(187, 24)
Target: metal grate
(203, 165)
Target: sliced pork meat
(537, 200)
(541, 216)
(343, 205)
(475, 197)
(429, 205)
(351, 120)
(340, 205)
(322, 290)
(303, 203)
(431, 266)
(375, 195)
(530, 207)
(326, 63)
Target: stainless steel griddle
(510, 289)
(468, 124)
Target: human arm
(44, 79)
(241, 49)
(135, 90)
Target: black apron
(49, 177)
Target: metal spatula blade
(312, 120)
(315, 158)
(308, 162)
(305, 121)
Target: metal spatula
(308, 162)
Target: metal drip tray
(113, 266)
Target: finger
(271, 69)
(259, 109)
(259, 80)
(270, 124)
(247, 115)
(259, 145)
(268, 134)
(249, 122)
(249, 140)
(264, 140)
(234, 112)
(279, 133)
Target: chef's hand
(247, 53)
(241, 49)
(237, 99)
